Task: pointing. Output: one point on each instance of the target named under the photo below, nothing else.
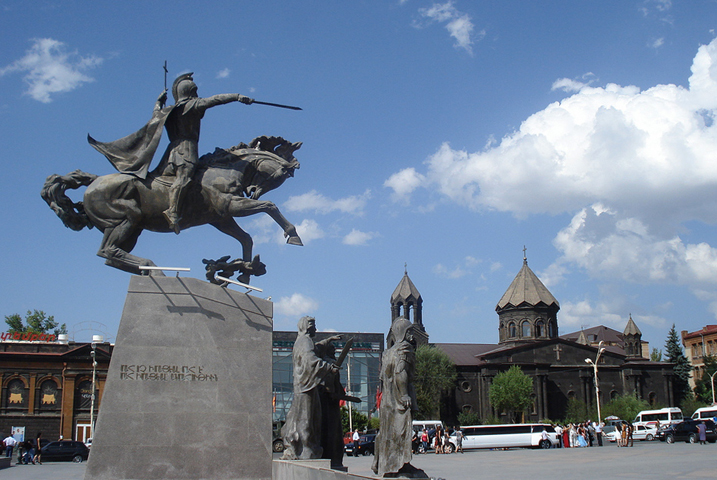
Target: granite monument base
(188, 391)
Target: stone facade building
(528, 336)
(47, 387)
(698, 345)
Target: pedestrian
(29, 452)
(38, 449)
(630, 430)
(438, 440)
(424, 440)
(591, 433)
(566, 436)
(459, 440)
(544, 437)
(623, 435)
(356, 437)
(702, 432)
(9, 443)
(559, 435)
(446, 442)
(598, 433)
(573, 435)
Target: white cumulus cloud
(357, 237)
(632, 166)
(50, 68)
(459, 24)
(318, 203)
(296, 305)
(404, 183)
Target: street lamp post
(94, 380)
(712, 379)
(595, 372)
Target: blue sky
(445, 136)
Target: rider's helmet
(184, 87)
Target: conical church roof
(526, 289)
(631, 328)
(405, 291)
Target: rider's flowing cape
(133, 153)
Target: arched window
(526, 329)
(16, 394)
(539, 328)
(49, 398)
(511, 330)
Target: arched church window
(540, 329)
(526, 329)
(511, 330)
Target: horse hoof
(294, 240)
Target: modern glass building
(359, 373)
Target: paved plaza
(653, 460)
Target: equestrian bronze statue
(183, 191)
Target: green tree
(692, 403)
(703, 386)
(578, 411)
(511, 392)
(358, 419)
(435, 375)
(675, 354)
(625, 407)
(656, 355)
(35, 322)
(468, 418)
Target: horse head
(270, 171)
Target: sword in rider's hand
(277, 105)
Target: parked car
(641, 432)
(277, 442)
(686, 431)
(66, 450)
(366, 445)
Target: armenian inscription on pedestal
(190, 380)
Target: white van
(666, 416)
(419, 425)
(705, 413)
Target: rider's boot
(172, 219)
(175, 195)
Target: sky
(438, 139)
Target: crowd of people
(577, 435)
(29, 451)
(437, 440)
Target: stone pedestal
(188, 392)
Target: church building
(528, 336)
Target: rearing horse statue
(226, 184)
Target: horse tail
(53, 192)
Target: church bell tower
(527, 311)
(406, 301)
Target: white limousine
(520, 435)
